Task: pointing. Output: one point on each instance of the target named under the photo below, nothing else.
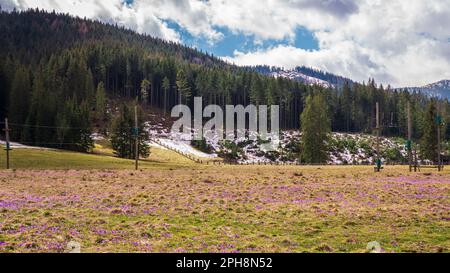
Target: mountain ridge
(312, 76)
(439, 89)
(307, 75)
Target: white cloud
(191, 15)
(274, 19)
(7, 4)
(111, 11)
(347, 59)
(398, 42)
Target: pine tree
(89, 87)
(63, 125)
(82, 138)
(316, 128)
(166, 88)
(100, 102)
(428, 143)
(73, 127)
(256, 91)
(4, 91)
(145, 86)
(42, 113)
(19, 99)
(122, 137)
(183, 86)
(347, 106)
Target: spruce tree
(316, 128)
(428, 142)
(145, 87)
(183, 87)
(122, 135)
(83, 139)
(4, 91)
(19, 100)
(100, 102)
(166, 88)
(73, 126)
(347, 106)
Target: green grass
(60, 159)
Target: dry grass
(225, 209)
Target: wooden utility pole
(409, 141)
(8, 145)
(416, 160)
(438, 123)
(136, 135)
(439, 147)
(378, 160)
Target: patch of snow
(183, 147)
(156, 145)
(345, 148)
(97, 136)
(298, 76)
(16, 145)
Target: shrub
(202, 145)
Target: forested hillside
(56, 72)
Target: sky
(397, 42)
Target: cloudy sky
(397, 42)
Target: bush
(393, 156)
(230, 151)
(272, 155)
(202, 145)
(351, 146)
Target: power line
(44, 126)
(47, 143)
(51, 127)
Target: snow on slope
(183, 146)
(15, 145)
(298, 76)
(344, 148)
(161, 136)
(356, 149)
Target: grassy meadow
(173, 205)
(101, 158)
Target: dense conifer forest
(57, 72)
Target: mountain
(311, 76)
(306, 75)
(440, 89)
(53, 65)
(60, 74)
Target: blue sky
(239, 41)
(397, 42)
(233, 41)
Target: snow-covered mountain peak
(440, 89)
(439, 84)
